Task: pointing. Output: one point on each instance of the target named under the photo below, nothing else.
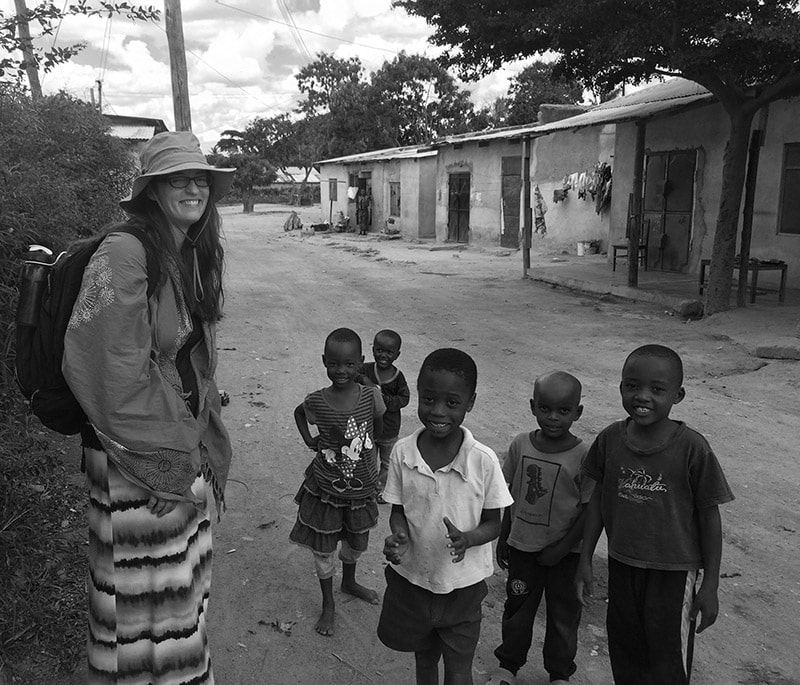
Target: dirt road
(285, 292)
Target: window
(352, 179)
(789, 210)
(394, 198)
(333, 194)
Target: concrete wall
(338, 172)
(484, 164)
(783, 126)
(562, 154)
(417, 194)
(705, 130)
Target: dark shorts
(414, 619)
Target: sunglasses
(203, 181)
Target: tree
(745, 52)
(536, 85)
(407, 101)
(47, 17)
(251, 171)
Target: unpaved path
(286, 291)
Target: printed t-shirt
(345, 461)
(650, 498)
(548, 491)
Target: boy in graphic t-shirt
(659, 487)
(541, 532)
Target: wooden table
(754, 267)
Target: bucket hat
(171, 152)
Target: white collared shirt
(460, 490)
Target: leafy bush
(61, 176)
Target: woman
(155, 448)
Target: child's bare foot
(351, 587)
(325, 623)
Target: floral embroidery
(165, 470)
(96, 293)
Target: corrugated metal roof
(413, 152)
(296, 174)
(669, 96)
(661, 98)
(132, 132)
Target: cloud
(242, 56)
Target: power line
(314, 33)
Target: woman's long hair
(206, 297)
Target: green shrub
(61, 176)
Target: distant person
(659, 487)
(541, 533)
(446, 490)
(394, 388)
(337, 498)
(154, 446)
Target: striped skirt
(148, 585)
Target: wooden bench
(754, 267)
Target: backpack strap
(153, 266)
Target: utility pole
(177, 65)
(31, 67)
(99, 95)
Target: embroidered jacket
(119, 360)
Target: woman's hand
(161, 507)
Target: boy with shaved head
(659, 487)
(541, 532)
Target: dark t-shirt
(650, 498)
(395, 395)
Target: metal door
(668, 200)
(458, 208)
(511, 184)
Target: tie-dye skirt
(148, 586)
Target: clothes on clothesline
(539, 210)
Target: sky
(241, 55)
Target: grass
(42, 553)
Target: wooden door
(668, 201)
(511, 185)
(458, 208)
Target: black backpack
(40, 348)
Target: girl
(337, 500)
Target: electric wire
(314, 33)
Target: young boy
(446, 491)
(659, 487)
(394, 388)
(540, 534)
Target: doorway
(458, 208)
(667, 208)
(511, 184)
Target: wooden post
(635, 232)
(527, 223)
(756, 141)
(177, 65)
(28, 56)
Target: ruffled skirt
(324, 519)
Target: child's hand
(394, 547)
(501, 553)
(550, 555)
(583, 582)
(706, 603)
(313, 444)
(459, 542)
